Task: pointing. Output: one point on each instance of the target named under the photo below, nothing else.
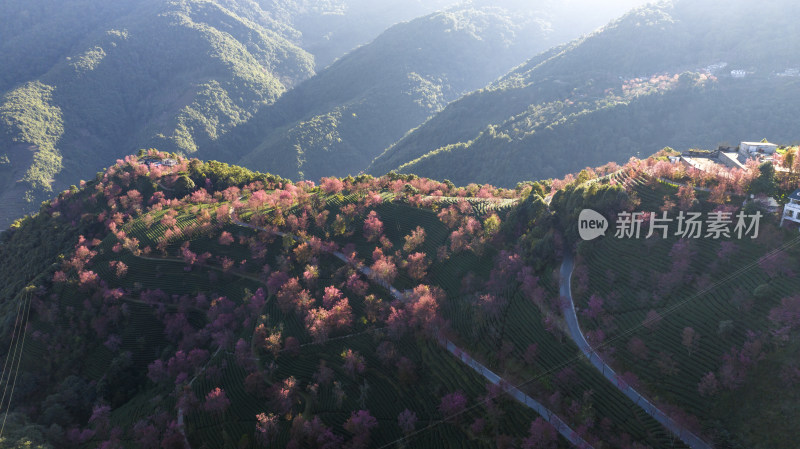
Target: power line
(11, 354)
(16, 373)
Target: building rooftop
(735, 160)
(152, 160)
(700, 163)
(760, 144)
(708, 160)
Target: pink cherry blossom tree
(373, 227)
(331, 296)
(225, 238)
(637, 347)
(384, 270)
(288, 293)
(353, 362)
(708, 385)
(689, 339)
(266, 428)
(542, 436)
(216, 401)
(414, 240)
(417, 266)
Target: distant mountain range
(237, 81)
(83, 89)
(339, 120)
(619, 93)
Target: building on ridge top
(707, 160)
(738, 73)
(752, 149)
(791, 211)
(726, 156)
(156, 161)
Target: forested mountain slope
(82, 89)
(331, 28)
(336, 122)
(559, 93)
(208, 303)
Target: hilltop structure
(738, 73)
(791, 211)
(751, 149)
(707, 160)
(156, 161)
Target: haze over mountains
(342, 117)
(81, 89)
(617, 93)
(250, 83)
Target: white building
(738, 73)
(791, 211)
(713, 68)
(155, 161)
(757, 148)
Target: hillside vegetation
(703, 323)
(337, 122)
(257, 311)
